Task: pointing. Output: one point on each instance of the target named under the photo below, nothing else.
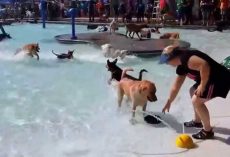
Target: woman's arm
(174, 91)
(176, 87)
(198, 64)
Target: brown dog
(134, 28)
(139, 92)
(30, 49)
(173, 35)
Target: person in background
(140, 10)
(216, 11)
(224, 4)
(211, 80)
(115, 6)
(149, 10)
(100, 9)
(205, 6)
(91, 12)
(107, 9)
(188, 14)
(122, 10)
(182, 10)
(62, 8)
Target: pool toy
(226, 62)
(184, 141)
(152, 119)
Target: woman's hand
(167, 106)
(199, 91)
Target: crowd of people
(210, 11)
(128, 10)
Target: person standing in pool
(212, 80)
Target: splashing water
(67, 109)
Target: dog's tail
(140, 74)
(54, 53)
(124, 72)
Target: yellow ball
(184, 141)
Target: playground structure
(72, 11)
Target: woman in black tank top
(211, 80)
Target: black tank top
(217, 71)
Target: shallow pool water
(52, 108)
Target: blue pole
(73, 23)
(43, 11)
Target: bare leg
(196, 117)
(202, 111)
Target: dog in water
(116, 72)
(138, 92)
(68, 55)
(146, 32)
(113, 26)
(134, 28)
(31, 50)
(173, 35)
(110, 52)
(155, 30)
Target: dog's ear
(108, 62)
(142, 88)
(115, 61)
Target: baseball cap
(168, 53)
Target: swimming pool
(66, 108)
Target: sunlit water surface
(52, 108)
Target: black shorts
(213, 90)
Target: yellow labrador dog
(138, 92)
(173, 35)
(30, 49)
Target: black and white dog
(116, 72)
(68, 55)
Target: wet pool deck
(144, 47)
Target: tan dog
(113, 26)
(139, 92)
(173, 35)
(134, 28)
(30, 49)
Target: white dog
(109, 52)
(146, 32)
(113, 26)
(29, 14)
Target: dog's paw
(133, 121)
